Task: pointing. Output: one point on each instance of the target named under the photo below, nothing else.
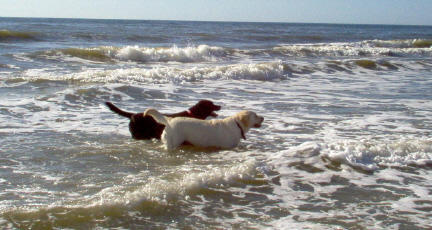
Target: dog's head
(249, 119)
(204, 108)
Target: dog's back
(141, 127)
(145, 127)
(213, 133)
(203, 133)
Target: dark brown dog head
(203, 109)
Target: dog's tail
(160, 118)
(118, 111)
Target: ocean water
(346, 142)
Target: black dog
(145, 127)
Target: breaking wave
(188, 54)
(206, 53)
(409, 43)
(266, 71)
(261, 71)
(373, 48)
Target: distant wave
(285, 38)
(206, 53)
(188, 54)
(374, 48)
(89, 36)
(146, 38)
(7, 35)
(91, 54)
(408, 43)
(4, 66)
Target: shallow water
(346, 141)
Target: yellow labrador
(220, 133)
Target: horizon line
(221, 21)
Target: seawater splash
(371, 154)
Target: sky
(403, 12)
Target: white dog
(220, 133)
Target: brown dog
(145, 127)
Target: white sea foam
(260, 71)
(207, 53)
(367, 48)
(189, 54)
(162, 190)
(366, 154)
(265, 71)
(370, 154)
(185, 54)
(402, 43)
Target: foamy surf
(204, 53)
(155, 193)
(374, 154)
(188, 184)
(189, 54)
(265, 71)
(366, 154)
(260, 71)
(363, 49)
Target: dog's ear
(244, 119)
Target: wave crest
(408, 43)
(374, 48)
(206, 53)
(260, 71)
(266, 71)
(188, 54)
(176, 54)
